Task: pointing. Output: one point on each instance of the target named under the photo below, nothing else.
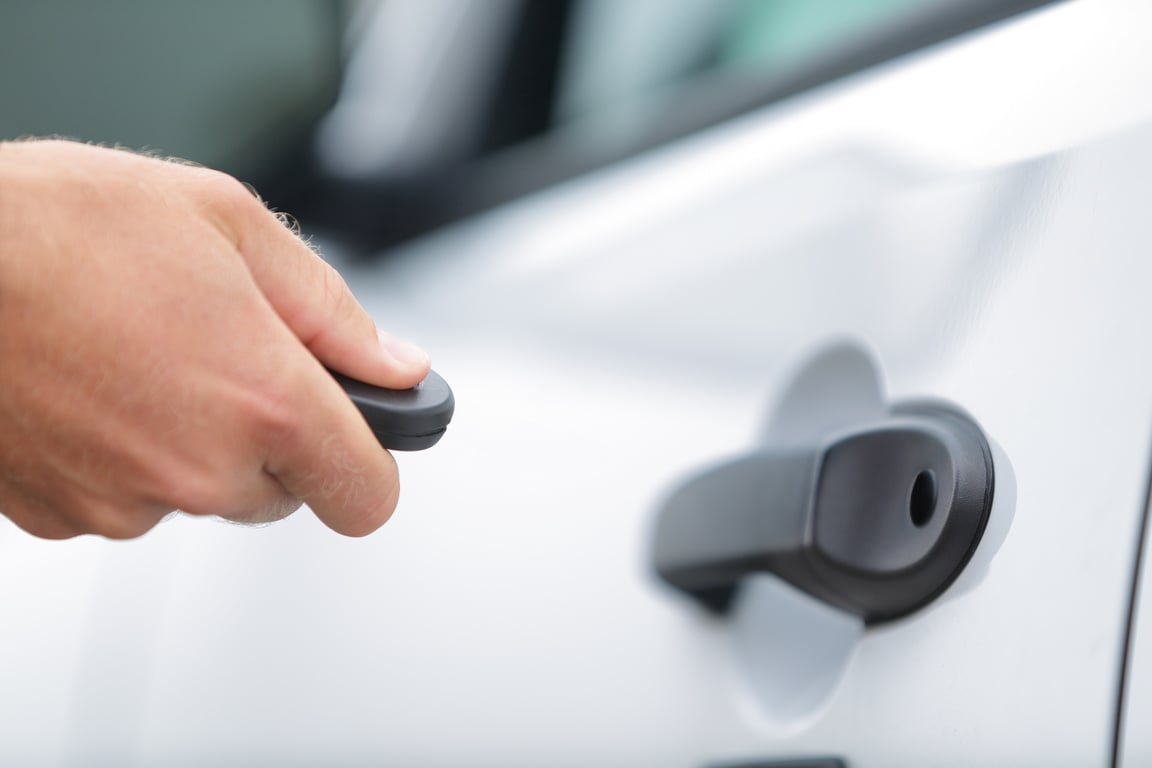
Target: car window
(620, 52)
(378, 120)
(570, 86)
(787, 34)
(644, 72)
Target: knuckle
(226, 187)
(126, 526)
(202, 500)
(192, 490)
(113, 521)
(228, 197)
(35, 520)
(334, 288)
(339, 307)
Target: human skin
(163, 344)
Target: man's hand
(163, 339)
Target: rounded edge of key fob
(404, 419)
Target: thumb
(314, 301)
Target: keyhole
(922, 502)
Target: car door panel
(604, 340)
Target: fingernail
(404, 352)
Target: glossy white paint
(602, 339)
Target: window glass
(632, 58)
(779, 35)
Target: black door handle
(877, 521)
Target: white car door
(969, 225)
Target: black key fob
(404, 419)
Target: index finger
(312, 298)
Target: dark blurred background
(374, 121)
